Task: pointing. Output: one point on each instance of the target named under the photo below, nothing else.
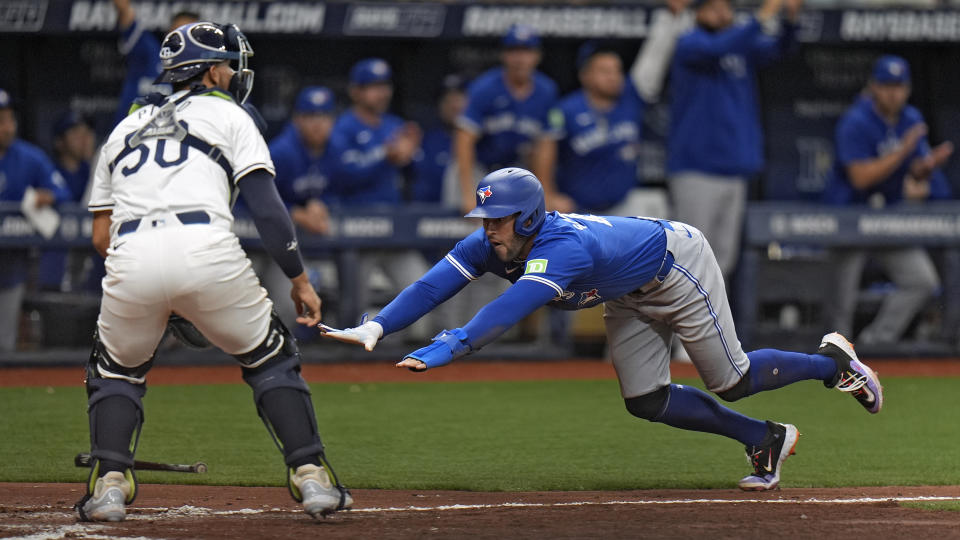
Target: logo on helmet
(483, 193)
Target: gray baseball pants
(690, 303)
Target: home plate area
(41, 511)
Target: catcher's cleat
(768, 457)
(853, 376)
(108, 501)
(319, 495)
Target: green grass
(951, 506)
(540, 435)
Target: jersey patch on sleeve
(536, 266)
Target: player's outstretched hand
(305, 300)
(367, 334)
(412, 363)
(446, 347)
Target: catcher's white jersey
(163, 260)
(163, 175)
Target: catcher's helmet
(190, 49)
(510, 191)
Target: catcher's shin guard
(283, 402)
(115, 407)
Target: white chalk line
(199, 511)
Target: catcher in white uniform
(163, 188)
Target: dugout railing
(780, 292)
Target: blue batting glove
(447, 346)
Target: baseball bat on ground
(83, 460)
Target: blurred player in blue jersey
(302, 160)
(597, 130)
(656, 278)
(369, 147)
(715, 143)
(368, 144)
(74, 143)
(883, 158)
(303, 166)
(430, 164)
(141, 50)
(505, 123)
(23, 168)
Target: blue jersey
(141, 50)
(715, 123)
(576, 261)
(300, 176)
(76, 180)
(862, 134)
(597, 150)
(360, 171)
(430, 164)
(505, 125)
(24, 165)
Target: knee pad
(106, 378)
(737, 391)
(279, 342)
(648, 406)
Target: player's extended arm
(125, 13)
(435, 287)
(650, 68)
(101, 231)
(465, 150)
(701, 48)
(520, 300)
(280, 240)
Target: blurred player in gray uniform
(161, 199)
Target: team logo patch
(590, 297)
(536, 266)
(483, 193)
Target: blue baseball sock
(693, 409)
(770, 368)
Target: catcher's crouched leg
(283, 402)
(115, 408)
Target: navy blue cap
(521, 36)
(453, 82)
(67, 120)
(695, 4)
(591, 48)
(314, 99)
(370, 71)
(6, 102)
(890, 69)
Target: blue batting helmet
(511, 191)
(190, 49)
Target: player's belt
(186, 218)
(665, 268)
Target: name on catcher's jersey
(162, 175)
(585, 259)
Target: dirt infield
(163, 511)
(386, 372)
